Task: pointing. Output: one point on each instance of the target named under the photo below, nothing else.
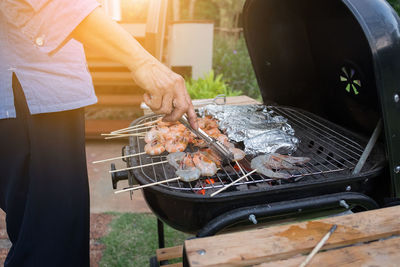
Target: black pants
(44, 186)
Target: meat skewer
(174, 138)
(189, 168)
(185, 166)
(265, 164)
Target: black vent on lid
(314, 55)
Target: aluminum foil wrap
(256, 126)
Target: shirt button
(39, 41)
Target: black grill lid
(339, 59)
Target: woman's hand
(166, 91)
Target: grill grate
(332, 151)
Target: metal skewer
(146, 185)
(318, 246)
(137, 126)
(233, 183)
(368, 149)
(114, 136)
(134, 129)
(120, 157)
(240, 167)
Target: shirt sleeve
(47, 23)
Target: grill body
(330, 65)
(333, 151)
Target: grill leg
(161, 239)
(160, 229)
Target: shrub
(209, 87)
(231, 59)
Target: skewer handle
(140, 166)
(121, 157)
(240, 167)
(318, 246)
(133, 129)
(114, 136)
(137, 125)
(233, 183)
(147, 185)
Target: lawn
(133, 240)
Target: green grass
(133, 240)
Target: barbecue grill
(331, 68)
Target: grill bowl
(333, 149)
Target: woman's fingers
(180, 108)
(192, 116)
(153, 101)
(167, 104)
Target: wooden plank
(173, 265)
(119, 100)
(169, 253)
(281, 242)
(378, 253)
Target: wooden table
(363, 239)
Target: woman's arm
(166, 90)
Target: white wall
(191, 44)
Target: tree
(229, 11)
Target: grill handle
(297, 206)
(117, 176)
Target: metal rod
(320, 125)
(302, 123)
(319, 246)
(136, 126)
(120, 157)
(133, 129)
(114, 136)
(368, 148)
(146, 185)
(140, 166)
(231, 184)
